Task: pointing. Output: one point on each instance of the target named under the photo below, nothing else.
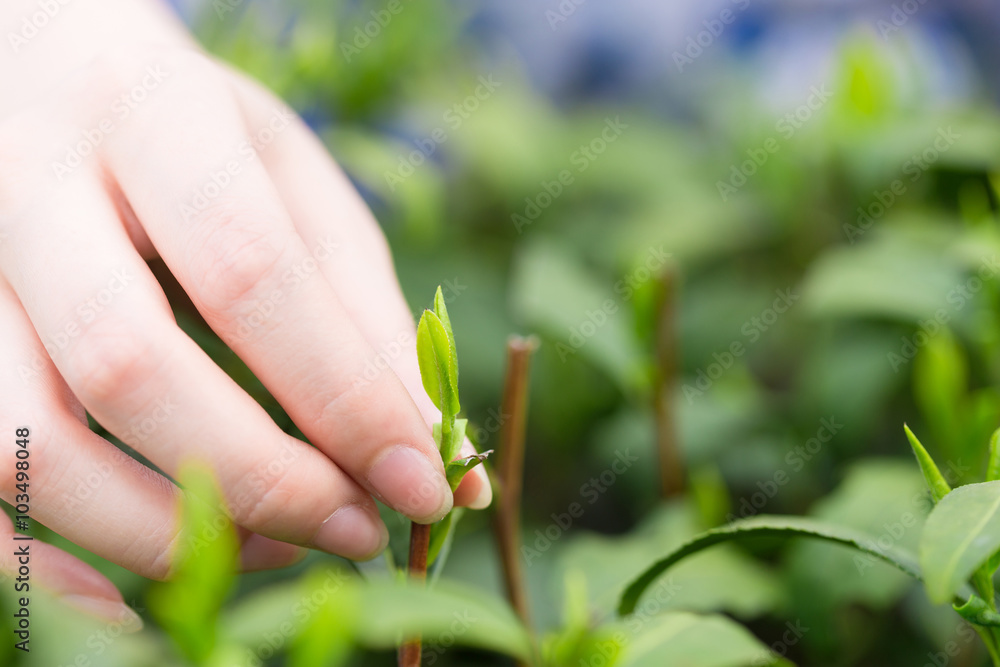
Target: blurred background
(784, 213)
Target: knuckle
(279, 501)
(237, 261)
(110, 359)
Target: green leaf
(976, 610)
(440, 532)
(764, 526)
(446, 612)
(456, 470)
(442, 312)
(721, 580)
(692, 640)
(205, 563)
(961, 534)
(451, 449)
(993, 467)
(935, 480)
(327, 634)
(438, 365)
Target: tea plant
(958, 556)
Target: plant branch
(667, 444)
(510, 470)
(420, 538)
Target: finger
(229, 241)
(110, 333)
(328, 213)
(262, 553)
(79, 485)
(67, 577)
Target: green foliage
(204, 564)
(765, 526)
(935, 480)
(438, 365)
(961, 534)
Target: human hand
(121, 142)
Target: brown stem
(420, 539)
(510, 470)
(667, 444)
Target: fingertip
(475, 491)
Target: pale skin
(120, 142)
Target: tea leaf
(438, 366)
(935, 480)
(680, 638)
(456, 470)
(764, 526)
(961, 534)
(977, 611)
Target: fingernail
(409, 483)
(352, 532)
(485, 495)
(107, 610)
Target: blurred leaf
(552, 291)
(883, 280)
(883, 498)
(693, 641)
(204, 566)
(461, 614)
(723, 580)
